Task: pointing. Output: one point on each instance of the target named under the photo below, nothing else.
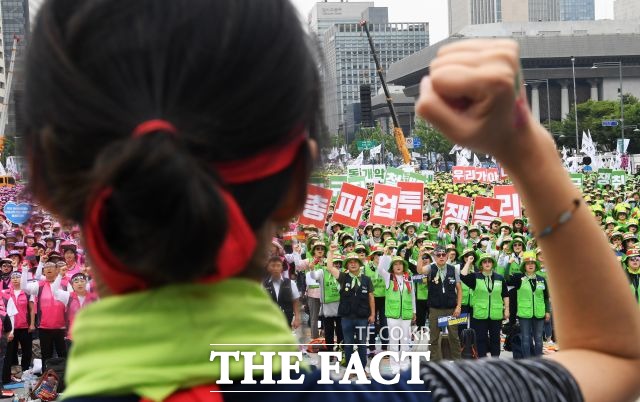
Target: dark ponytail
(233, 76)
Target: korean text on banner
(456, 209)
(393, 176)
(604, 177)
(493, 175)
(509, 203)
(618, 178)
(384, 204)
(410, 204)
(316, 206)
(480, 174)
(577, 179)
(485, 210)
(457, 172)
(335, 183)
(349, 205)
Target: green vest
(433, 232)
(331, 288)
(398, 304)
(420, 283)
(378, 282)
(415, 254)
(467, 294)
(514, 268)
(487, 304)
(531, 304)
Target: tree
(377, 135)
(590, 117)
(432, 140)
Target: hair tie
(151, 126)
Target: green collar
(155, 342)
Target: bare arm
(467, 266)
(482, 74)
(332, 270)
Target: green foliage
(590, 116)
(8, 149)
(374, 134)
(432, 139)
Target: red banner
(493, 175)
(457, 172)
(349, 205)
(467, 174)
(410, 204)
(384, 204)
(316, 206)
(485, 210)
(456, 209)
(509, 203)
(480, 174)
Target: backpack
(46, 388)
(58, 365)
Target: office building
(626, 9)
(15, 24)
(578, 10)
(349, 62)
(463, 13)
(325, 14)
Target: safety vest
(331, 288)
(397, 304)
(371, 271)
(22, 304)
(467, 295)
(488, 304)
(51, 312)
(530, 303)
(420, 283)
(73, 306)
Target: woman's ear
(295, 197)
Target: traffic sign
(609, 123)
(363, 145)
(409, 141)
(416, 142)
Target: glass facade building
(577, 10)
(15, 23)
(349, 62)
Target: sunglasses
(79, 280)
(636, 259)
(440, 254)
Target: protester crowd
(45, 281)
(402, 278)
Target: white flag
(456, 148)
(334, 153)
(588, 148)
(461, 160)
(375, 150)
(358, 160)
(476, 161)
(343, 151)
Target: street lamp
(548, 101)
(634, 127)
(575, 98)
(619, 65)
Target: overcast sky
(434, 12)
